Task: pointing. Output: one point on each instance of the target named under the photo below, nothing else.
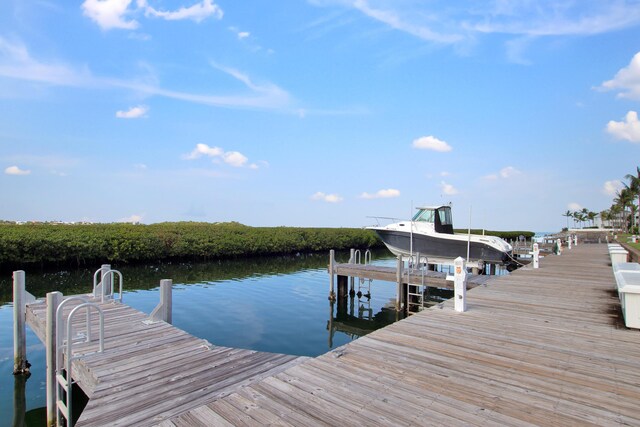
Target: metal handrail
(104, 276)
(69, 352)
(120, 284)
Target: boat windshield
(445, 216)
(425, 215)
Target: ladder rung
(63, 408)
(62, 381)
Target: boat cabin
(439, 216)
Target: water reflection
(355, 317)
(147, 276)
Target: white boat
(430, 234)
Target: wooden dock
(149, 372)
(417, 277)
(536, 347)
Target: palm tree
(592, 216)
(624, 198)
(634, 187)
(568, 214)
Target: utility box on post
(460, 284)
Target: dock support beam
(399, 283)
(20, 364)
(332, 275)
(163, 311)
(53, 301)
(460, 284)
(352, 279)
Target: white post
(53, 301)
(460, 284)
(536, 255)
(164, 309)
(569, 242)
(107, 280)
(575, 240)
(558, 247)
(20, 364)
(166, 300)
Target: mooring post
(107, 280)
(53, 301)
(352, 279)
(163, 310)
(332, 278)
(575, 240)
(20, 364)
(399, 283)
(569, 242)
(558, 247)
(536, 255)
(460, 284)
(19, 399)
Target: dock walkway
(536, 347)
(149, 372)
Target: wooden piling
(343, 286)
(20, 364)
(400, 265)
(53, 301)
(332, 277)
(164, 309)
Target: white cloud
(15, 170)
(243, 34)
(445, 173)
(204, 150)
(509, 172)
(504, 173)
(197, 12)
(329, 198)
(574, 206)
(611, 188)
(134, 219)
(395, 21)
(431, 143)
(232, 158)
(447, 189)
(629, 129)
(133, 112)
(381, 194)
(235, 159)
(627, 80)
(110, 14)
(17, 63)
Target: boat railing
(386, 218)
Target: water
(275, 304)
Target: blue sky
(317, 112)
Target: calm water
(276, 304)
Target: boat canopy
(440, 216)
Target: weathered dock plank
(434, 279)
(150, 372)
(537, 347)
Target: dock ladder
(416, 293)
(65, 356)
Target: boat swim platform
(150, 371)
(545, 347)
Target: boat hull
(441, 249)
